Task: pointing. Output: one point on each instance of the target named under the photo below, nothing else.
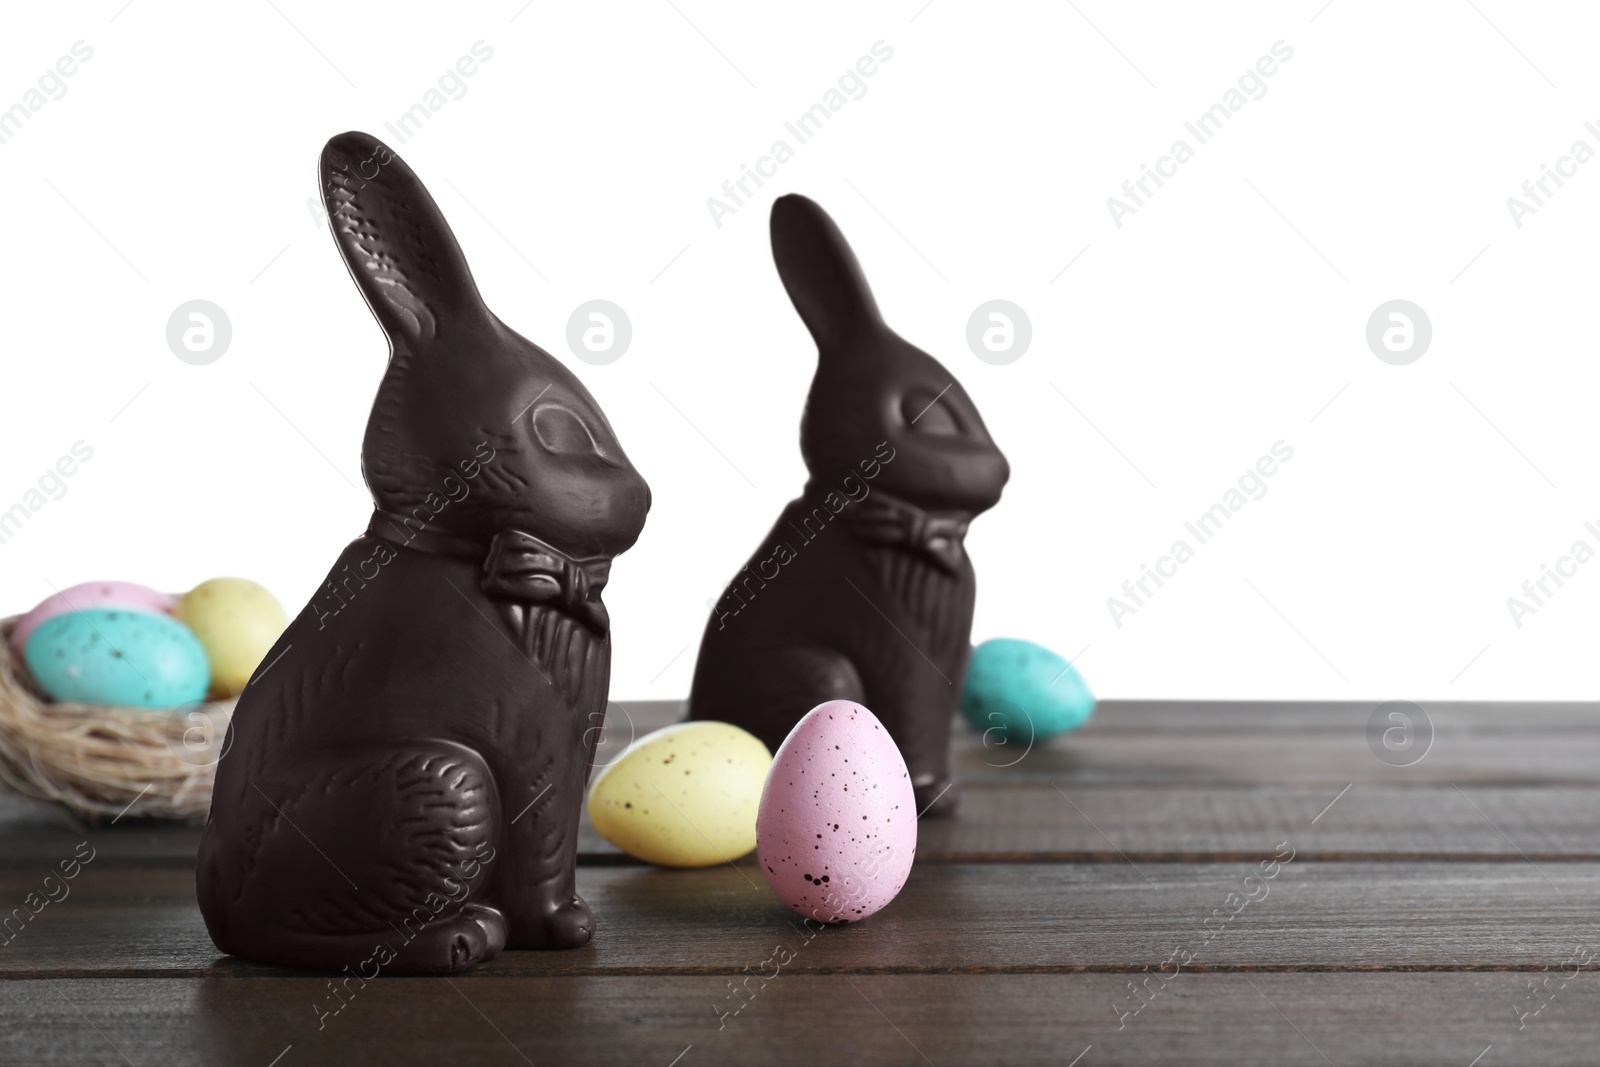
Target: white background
(1222, 317)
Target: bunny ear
(394, 239)
(819, 271)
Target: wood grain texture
(1151, 790)
(1287, 758)
(1043, 822)
(1294, 1020)
(949, 918)
(1420, 904)
(1211, 716)
(1040, 822)
(1151, 744)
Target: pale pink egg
(837, 828)
(86, 596)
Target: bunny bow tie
(518, 568)
(522, 568)
(885, 520)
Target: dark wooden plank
(801, 1020)
(989, 962)
(1158, 794)
(949, 917)
(1032, 821)
(34, 833)
(1348, 716)
(1285, 758)
(1160, 744)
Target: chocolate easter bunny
(863, 590)
(404, 774)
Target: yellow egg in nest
(237, 622)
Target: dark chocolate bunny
(405, 773)
(862, 591)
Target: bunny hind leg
(767, 693)
(369, 861)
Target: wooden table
(1175, 883)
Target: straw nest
(106, 762)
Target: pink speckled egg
(837, 828)
(86, 596)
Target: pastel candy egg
(838, 825)
(237, 622)
(85, 596)
(684, 796)
(1023, 691)
(109, 656)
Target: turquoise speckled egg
(1024, 690)
(111, 656)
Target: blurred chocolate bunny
(862, 591)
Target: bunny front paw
(474, 934)
(567, 925)
(937, 798)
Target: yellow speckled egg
(684, 796)
(237, 621)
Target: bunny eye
(925, 411)
(562, 432)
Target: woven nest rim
(104, 761)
